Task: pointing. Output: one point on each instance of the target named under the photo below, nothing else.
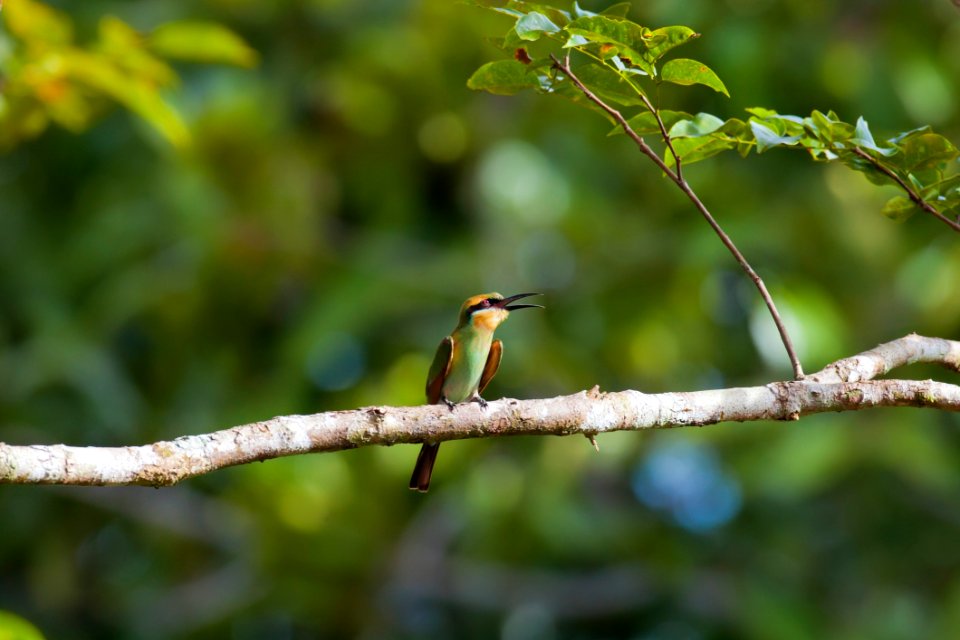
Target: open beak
(505, 303)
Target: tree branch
(677, 178)
(911, 193)
(846, 385)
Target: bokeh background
(312, 245)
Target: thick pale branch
(842, 386)
(890, 355)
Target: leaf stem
(913, 195)
(677, 178)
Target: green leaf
(685, 71)
(762, 112)
(900, 208)
(700, 125)
(518, 9)
(628, 38)
(693, 150)
(906, 134)
(862, 137)
(533, 25)
(925, 151)
(609, 85)
(829, 128)
(867, 168)
(739, 132)
(503, 77)
(619, 10)
(202, 42)
(646, 123)
(660, 41)
(767, 137)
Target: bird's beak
(505, 303)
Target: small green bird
(465, 363)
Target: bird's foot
(450, 405)
(483, 403)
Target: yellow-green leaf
(35, 22)
(504, 77)
(13, 627)
(141, 97)
(899, 208)
(686, 72)
(202, 42)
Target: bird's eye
(485, 303)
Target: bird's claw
(449, 404)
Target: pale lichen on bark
(846, 385)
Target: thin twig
(667, 140)
(913, 195)
(677, 179)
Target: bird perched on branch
(465, 363)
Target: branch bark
(915, 197)
(846, 385)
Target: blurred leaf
(143, 98)
(117, 37)
(126, 48)
(900, 208)
(12, 626)
(504, 77)
(38, 23)
(202, 42)
(685, 71)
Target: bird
(465, 362)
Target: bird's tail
(420, 480)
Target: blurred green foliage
(47, 78)
(310, 247)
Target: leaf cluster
(623, 62)
(47, 77)
(621, 59)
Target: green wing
(493, 363)
(439, 370)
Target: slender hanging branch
(846, 385)
(911, 193)
(677, 178)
